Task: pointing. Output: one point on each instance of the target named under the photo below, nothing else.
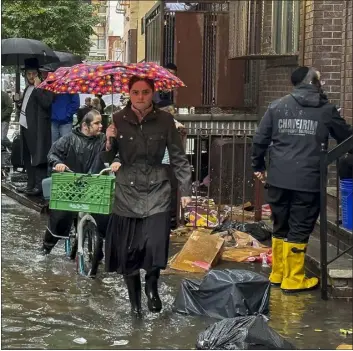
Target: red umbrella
(108, 78)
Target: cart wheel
(71, 244)
(88, 262)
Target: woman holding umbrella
(139, 228)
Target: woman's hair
(89, 117)
(135, 79)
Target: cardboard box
(200, 252)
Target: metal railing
(327, 158)
(222, 178)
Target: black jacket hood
(309, 95)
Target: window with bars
(285, 26)
(101, 42)
(245, 19)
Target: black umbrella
(14, 52)
(66, 60)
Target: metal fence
(153, 34)
(222, 177)
(327, 158)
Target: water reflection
(46, 305)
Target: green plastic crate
(77, 192)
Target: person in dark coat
(102, 104)
(80, 152)
(83, 110)
(6, 112)
(293, 129)
(138, 232)
(35, 130)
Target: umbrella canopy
(14, 52)
(66, 60)
(59, 73)
(107, 78)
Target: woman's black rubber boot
(154, 303)
(133, 283)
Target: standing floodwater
(45, 305)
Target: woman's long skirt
(137, 243)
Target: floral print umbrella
(59, 73)
(107, 78)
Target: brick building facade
(278, 36)
(281, 35)
(346, 63)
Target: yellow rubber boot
(294, 278)
(277, 261)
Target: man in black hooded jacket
(293, 129)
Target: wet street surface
(46, 305)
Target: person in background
(96, 104)
(88, 102)
(6, 111)
(293, 128)
(35, 128)
(165, 99)
(79, 151)
(63, 109)
(139, 228)
(84, 109)
(101, 103)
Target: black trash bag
(224, 294)
(258, 230)
(224, 226)
(242, 333)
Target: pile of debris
(203, 212)
(204, 248)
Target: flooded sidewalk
(46, 305)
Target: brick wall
(323, 49)
(323, 43)
(346, 63)
(274, 81)
(275, 73)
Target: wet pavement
(46, 305)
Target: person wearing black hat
(293, 129)
(35, 128)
